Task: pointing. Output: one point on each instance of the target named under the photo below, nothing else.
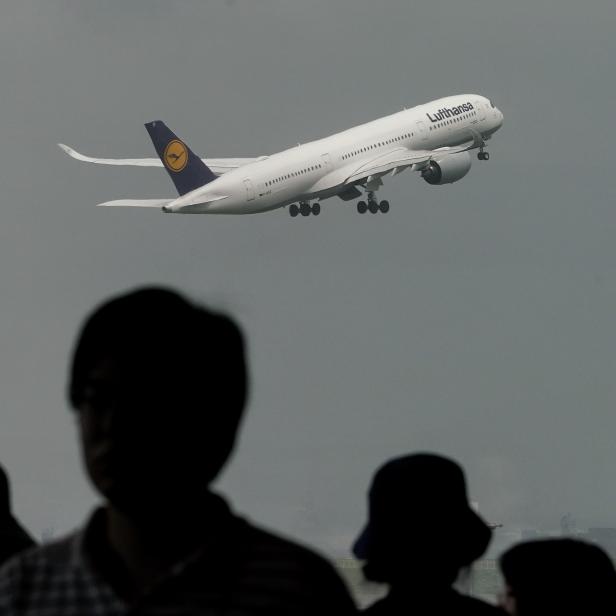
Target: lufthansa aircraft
(434, 139)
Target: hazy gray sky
(476, 319)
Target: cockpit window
(491, 103)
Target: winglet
(74, 153)
(135, 162)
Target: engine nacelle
(448, 169)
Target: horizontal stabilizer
(159, 203)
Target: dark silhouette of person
(13, 537)
(558, 576)
(421, 533)
(159, 386)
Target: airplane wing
(219, 166)
(400, 159)
(396, 161)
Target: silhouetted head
(159, 385)
(5, 494)
(420, 524)
(558, 576)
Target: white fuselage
(321, 168)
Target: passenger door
(250, 189)
(422, 131)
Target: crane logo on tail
(175, 156)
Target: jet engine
(448, 169)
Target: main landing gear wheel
(373, 206)
(305, 209)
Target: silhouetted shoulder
(472, 606)
(13, 537)
(13, 540)
(283, 569)
(452, 603)
(246, 571)
(39, 580)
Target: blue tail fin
(186, 169)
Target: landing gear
(305, 209)
(483, 155)
(373, 206)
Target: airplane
(434, 139)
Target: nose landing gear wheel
(362, 207)
(483, 156)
